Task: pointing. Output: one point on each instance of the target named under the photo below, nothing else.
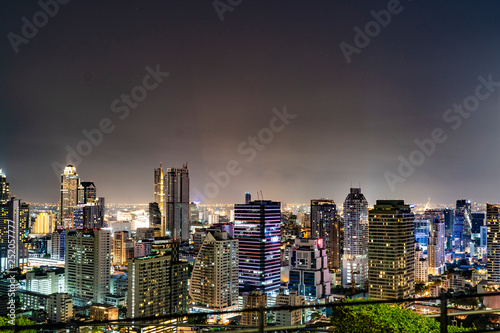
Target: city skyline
(290, 97)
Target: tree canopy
(384, 318)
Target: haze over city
(356, 109)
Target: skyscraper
(87, 193)
(391, 250)
(478, 219)
(158, 187)
(176, 208)
(69, 196)
(493, 243)
(44, 223)
(355, 257)
(214, 281)
(14, 217)
(4, 189)
(462, 225)
(437, 239)
(449, 218)
(325, 225)
(257, 227)
(88, 263)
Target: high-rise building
(176, 207)
(391, 250)
(214, 280)
(14, 217)
(158, 188)
(58, 244)
(493, 242)
(154, 215)
(157, 286)
(257, 227)
(88, 264)
(355, 256)
(478, 219)
(421, 267)
(4, 189)
(89, 215)
(462, 225)
(309, 274)
(484, 236)
(325, 225)
(436, 244)
(87, 193)
(120, 240)
(69, 196)
(449, 218)
(248, 198)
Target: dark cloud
(353, 120)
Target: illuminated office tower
(69, 196)
(176, 208)
(14, 217)
(4, 189)
(462, 225)
(214, 281)
(157, 285)
(325, 225)
(88, 263)
(391, 251)
(252, 300)
(44, 223)
(158, 187)
(120, 240)
(355, 257)
(248, 198)
(437, 240)
(493, 243)
(257, 227)
(421, 267)
(309, 274)
(87, 193)
(89, 215)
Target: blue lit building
(309, 274)
(462, 225)
(478, 220)
(257, 226)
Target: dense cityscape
(82, 261)
(249, 166)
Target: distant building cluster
(82, 260)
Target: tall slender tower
(493, 242)
(355, 257)
(158, 188)
(257, 227)
(176, 207)
(437, 240)
(462, 225)
(4, 189)
(325, 225)
(391, 251)
(69, 196)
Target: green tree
(198, 320)
(383, 318)
(20, 321)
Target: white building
(88, 265)
(214, 281)
(48, 282)
(421, 267)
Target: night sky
(351, 121)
